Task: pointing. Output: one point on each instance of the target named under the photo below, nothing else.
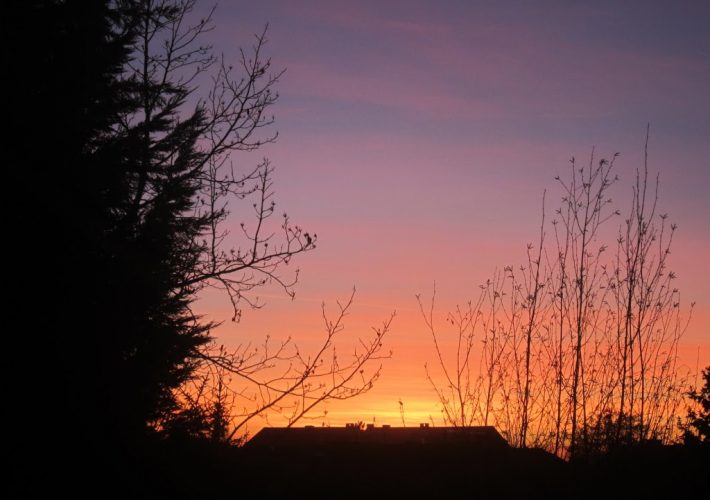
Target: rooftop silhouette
(273, 437)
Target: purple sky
(416, 138)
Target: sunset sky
(416, 139)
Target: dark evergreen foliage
(697, 427)
(113, 169)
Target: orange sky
(403, 376)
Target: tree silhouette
(164, 198)
(575, 350)
(697, 426)
(180, 191)
(136, 193)
(166, 235)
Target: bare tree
(585, 200)
(577, 348)
(532, 291)
(277, 381)
(649, 324)
(457, 397)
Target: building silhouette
(355, 434)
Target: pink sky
(416, 139)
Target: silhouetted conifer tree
(163, 241)
(697, 427)
(127, 174)
(122, 129)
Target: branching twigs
(578, 347)
(230, 118)
(456, 398)
(282, 380)
(186, 153)
(533, 288)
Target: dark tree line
(123, 122)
